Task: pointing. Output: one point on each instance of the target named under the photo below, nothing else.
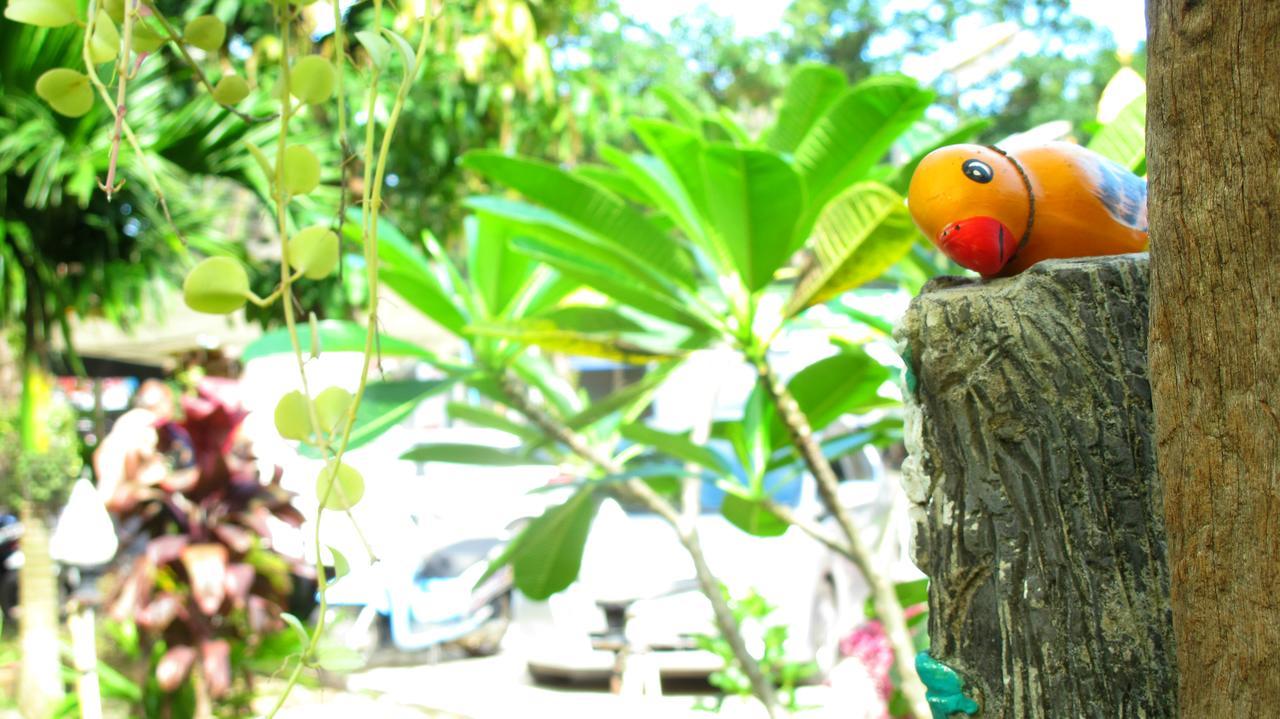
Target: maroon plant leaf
(239, 581)
(239, 539)
(181, 480)
(264, 616)
(174, 667)
(134, 591)
(206, 566)
(163, 550)
(159, 613)
(215, 661)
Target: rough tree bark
(1032, 474)
(1214, 162)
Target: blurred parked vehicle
(420, 600)
(635, 573)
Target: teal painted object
(945, 688)
(909, 377)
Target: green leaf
(341, 567)
(859, 235)
(615, 181)
(900, 179)
(629, 401)
(585, 318)
(298, 629)
(405, 269)
(481, 417)
(660, 186)
(813, 88)
(1124, 138)
(753, 201)
(338, 659)
(561, 255)
(383, 406)
(883, 432)
(680, 109)
(498, 272)
(377, 48)
(589, 206)
(548, 553)
(406, 51)
(534, 222)
(875, 322)
(844, 383)
(462, 453)
(334, 336)
(855, 133)
(680, 152)
(549, 336)
(678, 446)
(751, 516)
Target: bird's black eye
(977, 170)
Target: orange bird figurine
(997, 213)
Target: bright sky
(1125, 18)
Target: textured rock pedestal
(1032, 475)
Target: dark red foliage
(207, 575)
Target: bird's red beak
(982, 244)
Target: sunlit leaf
(753, 201)
(333, 336)
(859, 235)
(844, 383)
(1124, 138)
(855, 133)
(461, 453)
(810, 92)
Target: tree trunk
(1214, 161)
(1032, 475)
(40, 682)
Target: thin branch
(105, 94)
(887, 606)
(685, 530)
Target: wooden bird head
(974, 203)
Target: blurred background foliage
(550, 79)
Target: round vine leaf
(301, 170)
(206, 32)
(105, 45)
(339, 486)
(43, 13)
(217, 286)
(115, 9)
(314, 251)
(331, 408)
(313, 79)
(145, 39)
(67, 91)
(230, 90)
(293, 416)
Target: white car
(635, 572)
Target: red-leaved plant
(208, 576)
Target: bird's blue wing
(1123, 193)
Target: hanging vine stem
(375, 171)
(122, 124)
(176, 39)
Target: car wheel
(487, 640)
(9, 598)
(824, 630)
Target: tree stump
(1033, 482)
